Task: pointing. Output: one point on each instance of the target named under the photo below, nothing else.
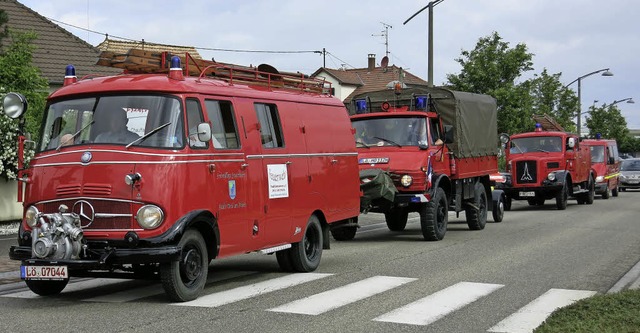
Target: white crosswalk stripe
(435, 306)
(533, 314)
(335, 298)
(256, 289)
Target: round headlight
(149, 216)
(31, 216)
(406, 180)
(599, 179)
(551, 176)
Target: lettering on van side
(237, 205)
(229, 175)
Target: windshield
(537, 143)
(630, 165)
(397, 131)
(597, 154)
(117, 120)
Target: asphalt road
(496, 279)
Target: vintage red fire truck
(426, 150)
(543, 165)
(144, 175)
(605, 162)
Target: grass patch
(609, 313)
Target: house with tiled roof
(55, 47)
(122, 47)
(347, 83)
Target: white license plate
(528, 194)
(44, 272)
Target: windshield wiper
(154, 131)
(388, 141)
(362, 144)
(73, 137)
(542, 150)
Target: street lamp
(430, 5)
(629, 100)
(605, 72)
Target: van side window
(194, 117)
(434, 128)
(224, 132)
(270, 129)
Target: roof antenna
(385, 34)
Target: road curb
(631, 280)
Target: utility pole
(430, 5)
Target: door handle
(212, 168)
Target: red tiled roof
(55, 47)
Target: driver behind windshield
(117, 131)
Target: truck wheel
(592, 191)
(498, 209)
(396, 219)
(306, 254)
(344, 233)
(183, 280)
(605, 194)
(434, 216)
(46, 288)
(507, 203)
(477, 216)
(614, 192)
(562, 197)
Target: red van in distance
(606, 163)
(153, 173)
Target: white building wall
(10, 208)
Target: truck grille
(526, 172)
(107, 214)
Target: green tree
(608, 121)
(17, 74)
(551, 97)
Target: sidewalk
(9, 269)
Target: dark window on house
(224, 132)
(270, 128)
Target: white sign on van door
(278, 181)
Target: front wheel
(183, 280)
(562, 197)
(592, 191)
(305, 255)
(476, 210)
(498, 209)
(46, 288)
(614, 191)
(396, 219)
(434, 216)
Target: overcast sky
(572, 37)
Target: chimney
(372, 62)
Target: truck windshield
(536, 144)
(391, 131)
(597, 154)
(118, 120)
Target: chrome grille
(102, 210)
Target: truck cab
(605, 162)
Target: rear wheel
(46, 288)
(476, 210)
(498, 209)
(614, 191)
(592, 191)
(305, 255)
(183, 280)
(434, 216)
(396, 219)
(606, 193)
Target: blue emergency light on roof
(69, 75)
(598, 136)
(175, 62)
(538, 127)
(70, 71)
(175, 72)
(421, 102)
(361, 106)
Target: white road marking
(435, 306)
(256, 289)
(533, 314)
(335, 298)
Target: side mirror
(204, 132)
(14, 105)
(612, 160)
(448, 134)
(571, 143)
(504, 138)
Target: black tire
(507, 203)
(344, 233)
(614, 192)
(562, 197)
(47, 288)
(622, 189)
(477, 216)
(396, 219)
(434, 216)
(284, 260)
(184, 280)
(606, 193)
(498, 209)
(306, 255)
(590, 196)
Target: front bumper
(547, 190)
(627, 184)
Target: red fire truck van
(426, 150)
(543, 165)
(153, 175)
(605, 161)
